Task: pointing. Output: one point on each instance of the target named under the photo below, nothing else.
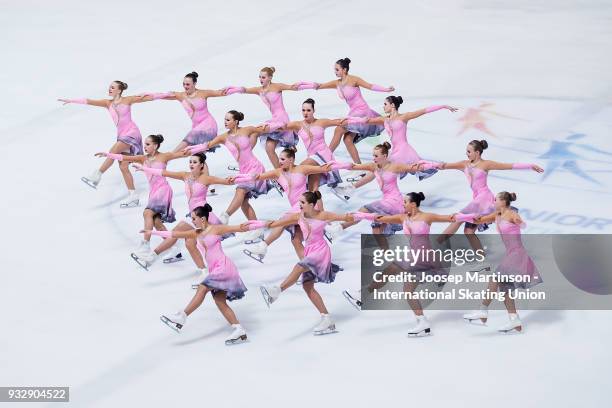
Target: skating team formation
(309, 225)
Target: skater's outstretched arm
(140, 98)
(460, 165)
(430, 217)
(268, 175)
(178, 175)
(228, 229)
(364, 180)
(285, 87)
(122, 157)
(373, 87)
(209, 180)
(412, 115)
(325, 123)
(211, 93)
(493, 165)
(403, 168)
(485, 219)
(390, 219)
(310, 169)
(229, 90)
(169, 96)
(330, 216)
(364, 166)
(329, 85)
(103, 103)
(295, 125)
(284, 222)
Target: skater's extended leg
(197, 299)
(314, 296)
(226, 311)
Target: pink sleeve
(114, 156)
(341, 165)
(380, 88)
(307, 85)
(256, 224)
(198, 148)
(163, 234)
(465, 217)
(428, 165)
(356, 120)
(522, 166)
(434, 108)
(364, 216)
(82, 101)
(234, 89)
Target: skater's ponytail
(507, 197)
(344, 63)
(193, 75)
(384, 148)
(290, 151)
(156, 139)
(312, 196)
(203, 211)
(238, 116)
(122, 85)
(395, 100)
(416, 198)
(479, 145)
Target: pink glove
(364, 216)
(434, 108)
(198, 148)
(428, 165)
(148, 170)
(82, 101)
(114, 156)
(522, 166)
(163, 234)
(234, 89)
(341, 165)
(380, 88)
(465, 217)
(356, 120)
(256, 224)
(157, 95)
(306, 85)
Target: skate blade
(174, 259)
(130, 204)
(195, 286)
(174, 326)
(328, 237)
(343, 198)
(356, 303)
(139, 261)
(89, 183)
(476, 322)
(239, 340)
(265, 295)
(355, 178)
(481, 269)
(329, 330)
(513, 331)
(258, 258)
(232, 168)
(423, 333)
(252, 241)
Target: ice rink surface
(78, 312)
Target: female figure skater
(476, 170)
(386, 173)
(195, 102)
(223, 281)
(516, 270)
(271, 93)
(129, 140)
(159, 208)
(311, 131)
(396, 124)
(348, 87)
(316, 265)
(416, 224)
(240, 142)
(292, 179)
(196, 191)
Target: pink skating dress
(317, 254)
(127, 131)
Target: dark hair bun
(484, 144)
(157, 139)
(236, 115)
(317, 194)
(201, 156)
(421, 195)
(207, 207)
(512, 196)
(195, 74)
(240, 116)
(387, 145)
(310, 101)
(347, 60)
(122, 85)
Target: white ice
(77, 311)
